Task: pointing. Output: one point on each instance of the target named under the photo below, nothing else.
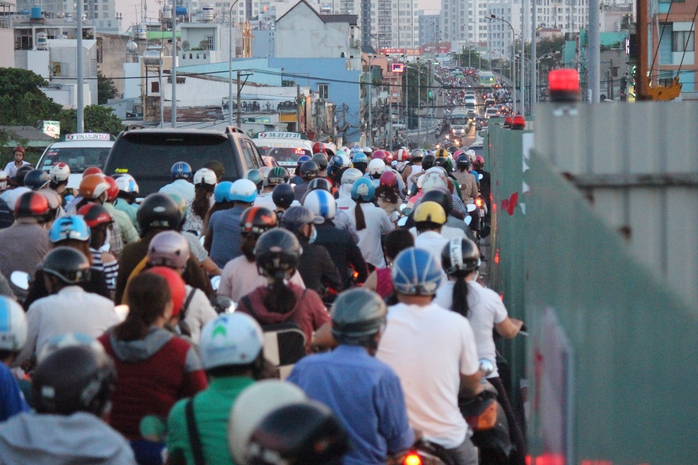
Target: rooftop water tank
(208, 13)
(167, 13)
(42, 41)
(181, 11)
(142, 31)
(35, 12)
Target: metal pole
(534, 51)
(162, 94)
(298, 107)
(174, 64)
(419, 102)
(513, 53)
(230, 65)
(369, 138)
(79, 72)
(239, 103)
(407, 99)
(522, 108)
(643, 82)
(594, 52)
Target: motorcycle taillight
(412, 458)
(479, 202)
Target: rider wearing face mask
(316, 266)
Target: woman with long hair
(155, 368)
(371, 222)
(277, 253)
(204, 185)
(463, 294)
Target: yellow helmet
(431, 212)
(442, 153)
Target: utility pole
(594, 52)
(239, 103)
(79, 72)
(298, 107)
(407, 98)
(369, 133)
(524, 24)
(174, 64)
(642, 80)
(534, 45)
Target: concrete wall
(7, 56)
(345, 94)
(63, 52)
(113, 48)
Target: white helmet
(471, 153)
(13, 325)
(234, 339)
(68, 340)
(3, 181)
(376, 167)
(126, 183)
(351, 175)
(243, 190)
(321, 203)
(251, 406)
(59, 172)
(205, 176)
(433, 179)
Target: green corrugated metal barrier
(611, 357)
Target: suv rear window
(148, 157)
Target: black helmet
(428, 161)
(257, 220)
(277, 253)
(158, 211)
(463, 162)
(460, 257)
(283, 195)
(309, 170)
(34, 205)
(67, 264)
(320, 183)
(357, 315)
(321, 160)
(299, 433)
(22, 171)
(445, 163)
(440, 195)
(277, 175)
(73, 379)
(36, 179)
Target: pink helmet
(388, 178)
(378, 155)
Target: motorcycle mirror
(20, 279)
(402, 222)
(406, 211)
(215, 282)
(486, 367)
(471, 207)
(468, 220)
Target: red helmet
(91, 170)
(113, 190)
(458, 153)
(32, 204)
(93, 186)
(388, 178)
(319, 147)
(94, 215)
(178, 291)
(388, 157)
(479, 160)
(378, 154)
(403, 155)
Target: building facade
(99, 13)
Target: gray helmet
(357, 315)
(169, 248)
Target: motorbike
(422, 452)
(486, 417)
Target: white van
(284, 147)
(78, 151)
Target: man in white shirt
(433, 352)
(12, 167)
(69, 309)
(181, 182)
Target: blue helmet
(69, 227)
(416, 272)
(363, 189)
(222, 192)
(181, 170)
(341, 161)
(360, 157)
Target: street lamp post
(230, 64)
(513, 53)
(174, 64)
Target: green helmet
(357, 315)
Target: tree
(105, 89)
(97, 119)
(22, 103)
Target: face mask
(313, 236)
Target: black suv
(148, 154)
